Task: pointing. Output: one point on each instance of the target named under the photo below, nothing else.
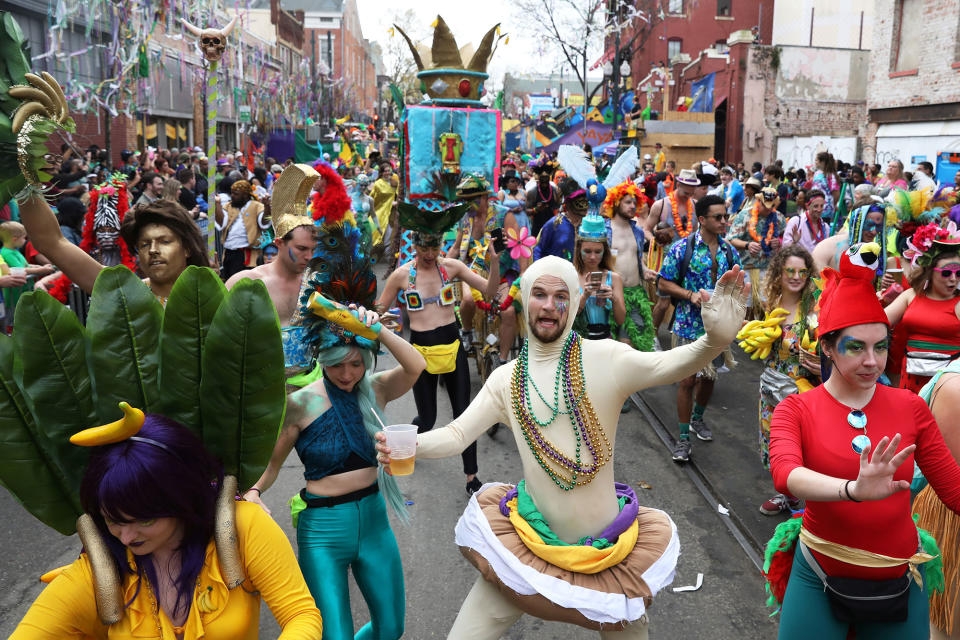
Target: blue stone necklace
(858, 420)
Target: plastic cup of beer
(18, 271)
(402, 440)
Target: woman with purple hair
(152, 544)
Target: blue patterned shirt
(687, 321)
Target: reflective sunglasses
(794, 273)
(950, 271)
(719, 216)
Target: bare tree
(575, 28)
(397, 59)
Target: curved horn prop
(230, 25)
(191, 28)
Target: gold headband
(289, 201)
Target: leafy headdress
(211, 360)
(32, 108)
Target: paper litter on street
(691, 587)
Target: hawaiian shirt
(687, 321)
(739, 229)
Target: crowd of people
(841, 278)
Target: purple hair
(135, 480)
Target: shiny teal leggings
(806, 612)
(355, 535)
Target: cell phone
(595, 278)
(497, 235)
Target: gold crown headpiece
(289, 202)
(443, 75)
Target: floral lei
(771, 223)
(675, 208)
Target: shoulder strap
(687, 257)
(812, 562)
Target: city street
(729, 605)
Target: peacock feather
(341, 270)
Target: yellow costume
(383, 194)
(67, 608)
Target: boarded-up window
(673, 48)
(909, 37)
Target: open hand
(875, 481)
(723, 312)
(254, 496)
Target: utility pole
(615, 75)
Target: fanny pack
(926, 363)
(854, 600)
(775, 386)
(441, 358)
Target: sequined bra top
(415, 301)
(336, 441)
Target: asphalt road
(729, 605)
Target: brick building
(346, 60)
(913, 95)
(167, 106)
(692, 32)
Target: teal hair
(367, 401)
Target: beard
(547, 336)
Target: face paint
(290, 253)
(561, 307)
(848, 344)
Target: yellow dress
(383, 194)
(67, 607)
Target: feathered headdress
(576, 163)
(109, 203)
(617, 193)
(342, 271)
(330, 206)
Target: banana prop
(205, 601)
(757, 336)
(118, 431)
(338, 314)
(807, 344)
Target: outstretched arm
(722, 318)
(486, 409)
(44, 232)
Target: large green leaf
(242, 390)
(194, 300)
(123, 327)
(50, 367)
(24, 470)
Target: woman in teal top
(604, 296)
(341, 515)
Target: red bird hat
(849, 297)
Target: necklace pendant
(859, 443)
(857, 419)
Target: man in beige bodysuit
(642, 549)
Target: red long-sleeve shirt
(811, 430)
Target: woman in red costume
(928, 313)
(847, 447)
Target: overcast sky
(468, 22)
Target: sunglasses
(949, 272)
(870, 225)
(793, 273)
(719, 216)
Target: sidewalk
(730, 464)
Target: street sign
(244, 113)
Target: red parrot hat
(849, 297)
